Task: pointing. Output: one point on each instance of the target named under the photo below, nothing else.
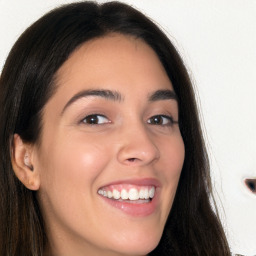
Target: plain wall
(217, 40)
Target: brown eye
(95, 119)
(161, 120)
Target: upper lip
(138, 182)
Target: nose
(137, 147)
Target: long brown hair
(26, 84)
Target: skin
(75, 159)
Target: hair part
(28, 81)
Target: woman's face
(110, 142)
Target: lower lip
(134, 209)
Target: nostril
(131, 159)
(251, 184)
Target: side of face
(110, 141)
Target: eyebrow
(116, 96)
(163, 95)
(106, 94)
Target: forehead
(113, 60)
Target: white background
(217, 39)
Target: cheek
(72, 168)
(173, 154)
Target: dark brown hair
(28, 81)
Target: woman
(102, 151)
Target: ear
(22, 163)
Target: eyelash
(164, 120)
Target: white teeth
(133, 194)
(142, 193)
(151, 192)
(146, 194)
(116, 194)
(109, 194)
(100, 191)
(124, 194)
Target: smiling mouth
(130, 194)
(135, 197)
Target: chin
(137, 244)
